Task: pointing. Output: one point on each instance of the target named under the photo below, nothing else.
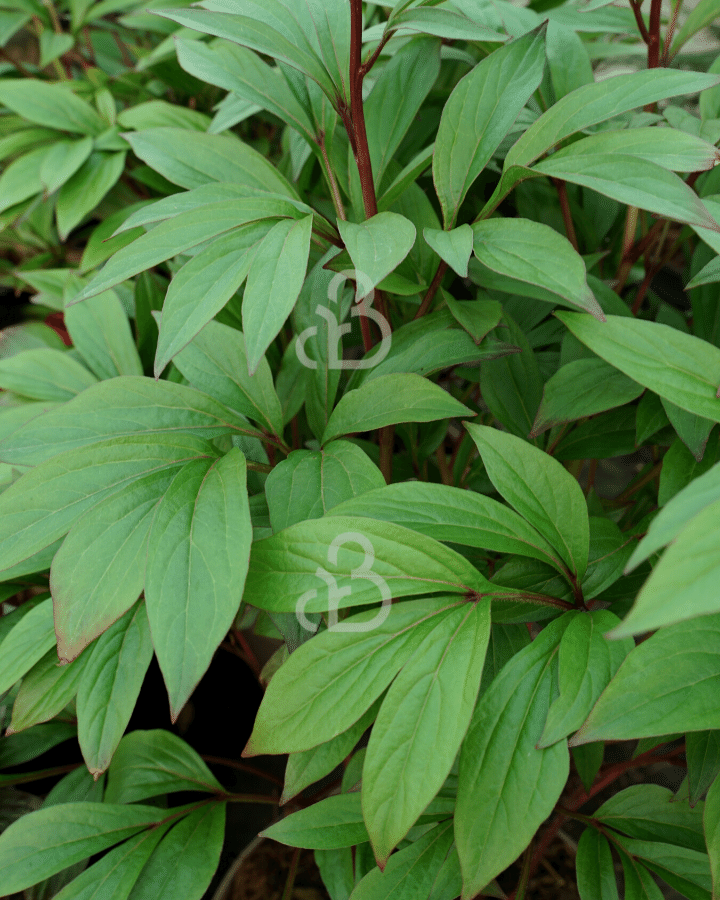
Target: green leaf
(388, 400)
(117, 871)
(215, 361)
(680, 367)
(450, 514)
(186, 858)
(46, 690)
(665, 686)
(480, 112)
(610, 550)
(100, 331)
(454, 246)
(44, 374)
(568, 59)
(175, 236)
(683, 583)
(594, 866)
(329, 824)
(533, 260)
(150, 763)
(16, 749)
(21, 179)
(203, 286)
(309, 483)
(652, 813)
(198, 552)
(639, 883)
(27, 642)
(411, 871)
(421, 725)
(702, 751)
(81, 194)
(131, 405)
(692, 430)
(406, 177)
(630, 180)
(283, 568)
(700, 16)
(63, 161)
(677, 513)
(587, 663)
(110, 686)
(711, 824)
(477, 317)
(540, 489)
(46, 841)
(50, 105)
(46, 502)
(377, 246)
(193, 158)
(506, 787)
(275, 277)
(688, 871)
(581, 388)
(397, 97)
(300, 711)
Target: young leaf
(149, 763)
(533, 260)
(454, 246)
(679, 367)
(481, 110)
(388, 400)
(329, 824)
(198, 551)
(203, 286)
(421, 725)
(506, 787)
(309, 483)
(664, 686)
(299, 711)
(100, 331)
(110, 686)
(46, 841)
(45, 374)
(275, 277)
(540, 489)
(377, 246)
(450, 514)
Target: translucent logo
(335, 593)
(364, 296)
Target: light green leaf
(186, 858)
(581, 388)
(506, 787)
(329, 824)
(700, 16)
(275, 277)
(215, 361)
(377, 246)
(198, 552)
(150, 763)
(100, 331)
(540, 489)
(309, 483)
(110, 686)
(587, 663)
(193, 158)
(454, 246)
(666, 685)
(450, 514)
(45, 503)
(421, 725)
(81, 194)
(533, 260)
(680, 367)
(480, 112)
(46, 690)
(66, 833)
(50, 105)
(131, 405)
(28, 641)
(477, 317)
(388, 400)
(300, 711)
(63, 161)
(203, 286)
(44, 374)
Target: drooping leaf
(46, 690)
(81, 193)
(326, 825)
(377, 246)
(50, 105)
(45, 374)
(454, 246)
